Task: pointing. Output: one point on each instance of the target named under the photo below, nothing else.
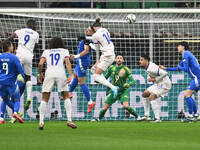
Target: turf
(116, 135)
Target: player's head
(7, 46)
(31, 24)
(183, 46)
(97, 24)
(144, 60)
(119, 59)
(89, 31)
(56, 42)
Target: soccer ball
(131, 18)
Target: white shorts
(105, 62)
(26, 62)
(158, 90)
(50, 82)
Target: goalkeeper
(121, 76)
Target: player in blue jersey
(10, 102)
(10, 71)
(190, 65)
(82, 63)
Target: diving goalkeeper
(121, 76)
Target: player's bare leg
(98, 77)
(42, 108)
(68, 108)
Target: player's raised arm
(85, 51)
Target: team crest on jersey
(122, 72)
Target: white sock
(90, 102)
(146, 104)
(101, 79)
(155, 108)
(29, 89)
(68, 108)
(42, 110)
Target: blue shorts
(11, 91)
(81, 69)
(194, 84)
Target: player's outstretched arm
(69, 69)
(84, 52)
(169, 68)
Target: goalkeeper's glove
(20, 78)
(126, 85)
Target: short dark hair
(185, 44)
(56, 42)
(119, 54)
(30, 22)
(145, 56)
(5, 45)
(97, 23)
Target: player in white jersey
(101, 40)
(55, 57)
(160, 88)
(27, 39)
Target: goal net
(156, 32)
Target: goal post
(155, 32)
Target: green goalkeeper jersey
(120, 76)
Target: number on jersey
(5, 67)
(106, 35)
(26, 39)
(54, 58)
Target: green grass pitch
(108, 135)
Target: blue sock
(189, 102)
(16, 106)
(10, 104)
(21, 86)
(86, 91)
(73, 84)
(3, 108)
(194, 106)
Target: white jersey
(102, 38)
(161, 76)
(55, 62)
(26, 41)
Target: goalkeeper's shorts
(122, 97)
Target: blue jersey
(85, 60)
(189, 64)
(10, 67)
